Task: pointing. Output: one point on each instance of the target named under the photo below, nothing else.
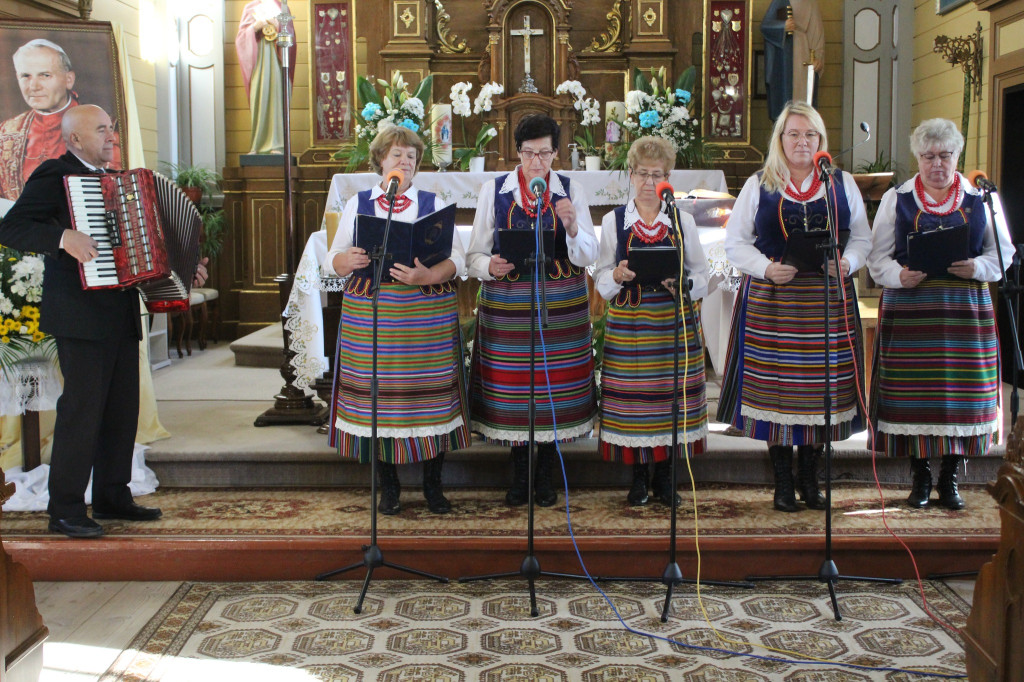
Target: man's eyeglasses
(644, 176)
(809, 136)
(530, 155)
(930, 157)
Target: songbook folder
(804, 248)
(933, 251)
(518, 247)
(654, 264)
(429, 239)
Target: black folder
(933, 251)
(429, 239)
(518, 247)
(803, 248)
(654, 264)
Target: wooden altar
(529, 46)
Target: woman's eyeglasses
(644, 176)
(931, 157)
(530, 155)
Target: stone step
(262, 348)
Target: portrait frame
(943, 6)
(93, 53)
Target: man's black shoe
(77, 527)
(129, 512)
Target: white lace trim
(653, 442)
(797, 419)
(29, 385)
(306, 341)
(420, 432)
(540, 435)
(938, 429)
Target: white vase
(476, 164)
(593, 163)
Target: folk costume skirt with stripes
(637, 381)
(935, 378)
(421, 406)
(775, 382)
(500, 383)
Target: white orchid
(484, 101)
(590, 113)
(460, 100)
(487, 93)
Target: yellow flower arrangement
(21, 290)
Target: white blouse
(694, 260)
(582, 248)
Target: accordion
(148, 235)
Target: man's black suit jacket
(35, 223)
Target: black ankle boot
(921, 487)
(432, 491)
(637, 496)
(516, 495)
(543, 491)
(782, 467)
(949, 496)
(661, 484)
(389, 489)
(807, 457)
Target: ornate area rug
(723, 510)
(421, 631)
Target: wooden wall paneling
(22, 632)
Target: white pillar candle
(441, 132)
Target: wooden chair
(183, 323)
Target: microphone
(981, 181)
(823, 163)
(538, 186)
(665, 191)
(394, 179)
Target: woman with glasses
(421, 407)
(637, 376)
(500, 377)
(935, 381)
(775, 379)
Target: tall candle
(810, 78)
(441, 132)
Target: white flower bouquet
(590, 114)
(461, 107)
(21, 290)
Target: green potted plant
(194, 181)
(213, 231)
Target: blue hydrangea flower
(370, 110)
(683, 96)
(410, 125)
(649, 119)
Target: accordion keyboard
(86, 199)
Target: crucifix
(526, 32)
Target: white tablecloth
(604, 188)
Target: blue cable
(583, 566)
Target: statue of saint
(256, 46)
(790, 40)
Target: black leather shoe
(76, 527)
(128, 512)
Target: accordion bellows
(147, 233)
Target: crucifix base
(528, 84)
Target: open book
(429, 239)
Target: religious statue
(261, 71)
(794, 48)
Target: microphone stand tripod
(828, 573)
(530, 569)
(673, 575)
(373, 557)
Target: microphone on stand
(538, 187)
(665, 191)
(394, 180)
(823, 163)
(981, 181)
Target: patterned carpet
(420, 631)
(723, 510)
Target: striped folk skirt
(935, 380)
(775, 382)
(500, 380)
(637, 382)
(420, 405)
